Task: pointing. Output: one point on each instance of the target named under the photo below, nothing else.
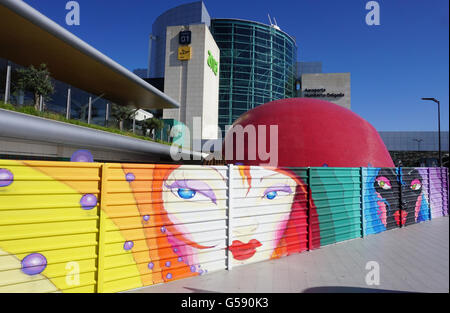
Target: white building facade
(192, 78)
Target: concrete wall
(192, 83)
(333, 83)
(40, 149)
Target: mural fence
(92, 227)
(48, 226)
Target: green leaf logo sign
(212, 63)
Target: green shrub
(53, 116)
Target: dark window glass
(243, 31)
(241, 46)
(241, 75)
(224, 44)
(242, 61)
(222, 29)
(242, 54)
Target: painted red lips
(243, 251)
(403, 218)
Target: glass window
(222, 37)
(241, 75)
(247, 31)
(241, 46)
(262, 34)
(242, 61)
(224, 44)
(222, 29)
(245, 39)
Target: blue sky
(392, 65)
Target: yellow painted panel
(112, 248)
(81, 255)
(122, 284)
(83, 289)
(13, 202)
(122, 256)
(51, 243)
(9, 217)
(122, 272)
(44, 217)
(46, 229)
(126, 259)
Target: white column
(230, 215)
(89, 110)
(8, 82)
(68, 103)
(107, 114)
(41, 103)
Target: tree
(122, 113)
(152, 123)
(35, 80)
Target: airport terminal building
(258, 64)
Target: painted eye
(416, 185)
(185, 193)
(271, 195)
(383, 183)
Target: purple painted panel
(438, 192)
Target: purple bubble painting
(128, 245)
(88, 201)
(34, 263)
(6, 177)
(130, 177)
(82, 156)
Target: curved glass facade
(257, 65)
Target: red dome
(314, 133)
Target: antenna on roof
(270, 21)
(276, 24)
(273, 25)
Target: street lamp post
(418, 143)
(439, 125)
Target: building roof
(28, 37)
(256, 23)
(414, 140)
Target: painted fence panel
(269, 213)
(337, 197)
(438, 191)
(87, 227)
(382, 203)
(415, 203)
(162, 222)
(48, 226)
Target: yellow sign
(184, 53)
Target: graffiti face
(387, 186)
(254, 236)
(187, 199)
(412, 195)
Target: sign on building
(184, 53)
